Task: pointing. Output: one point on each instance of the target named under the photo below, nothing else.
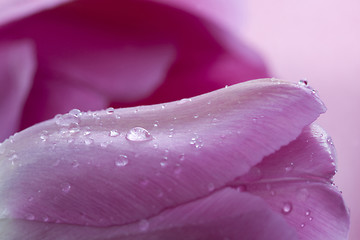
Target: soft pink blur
(318, 40)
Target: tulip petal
(17, 67)
(296, 180)
(12, 10)
(160, 53)
(227, 214)
(117, 166)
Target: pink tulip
(92, 54)
(237, 163)
(243, 162)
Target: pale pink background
(319, 40)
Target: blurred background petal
(318, 40)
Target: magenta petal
(226, 214)
(115, 167)
(296, 180)
(11, 10)
(17, 67)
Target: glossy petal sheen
(116, 167)
(17, 67)
(296, 181)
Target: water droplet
(287, 208)
(75, 112)
(45, 219)
(67, 120)
(184, 100)
(156, 124)
(254, 174)
(110, 110)
(307, 213)
(122, 161)
(311, 218)
(114, 133)
(44, 135)
(162, 106)
(303, 82)
(65, 187)
(289, 168)
(302, 225)
(138, 134)
(30, 199)
(182, 157)
(30, 217)
(88, 141)
(144, 225)
(196, 116)
(211, 187)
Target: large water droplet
(138, 134)
(287, 208)
(110, 110)
(184, 100)
(67, 120)
(144, 225)
(122, 161)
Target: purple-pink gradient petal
(227, 214)
(297, 181)
(155, 54)
(100, 169)
(17, 68)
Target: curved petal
(296, 180)
(155, 54)
(12, 10)
(105, 168)
(226, 214)
(17, 67)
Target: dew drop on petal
(303, 82)
(66, 120)
(287, 208)
(114, 133)
(143, 225)
(122, 161)
(184, 100)
(138, 134)
(182, 157)
(307, 213)
(75, 112)
(302, 225)
(110, 110)
(88, 141)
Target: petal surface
(118, 166)
(226, 214)
(17, 68)
(296, 181)
(11, 10)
